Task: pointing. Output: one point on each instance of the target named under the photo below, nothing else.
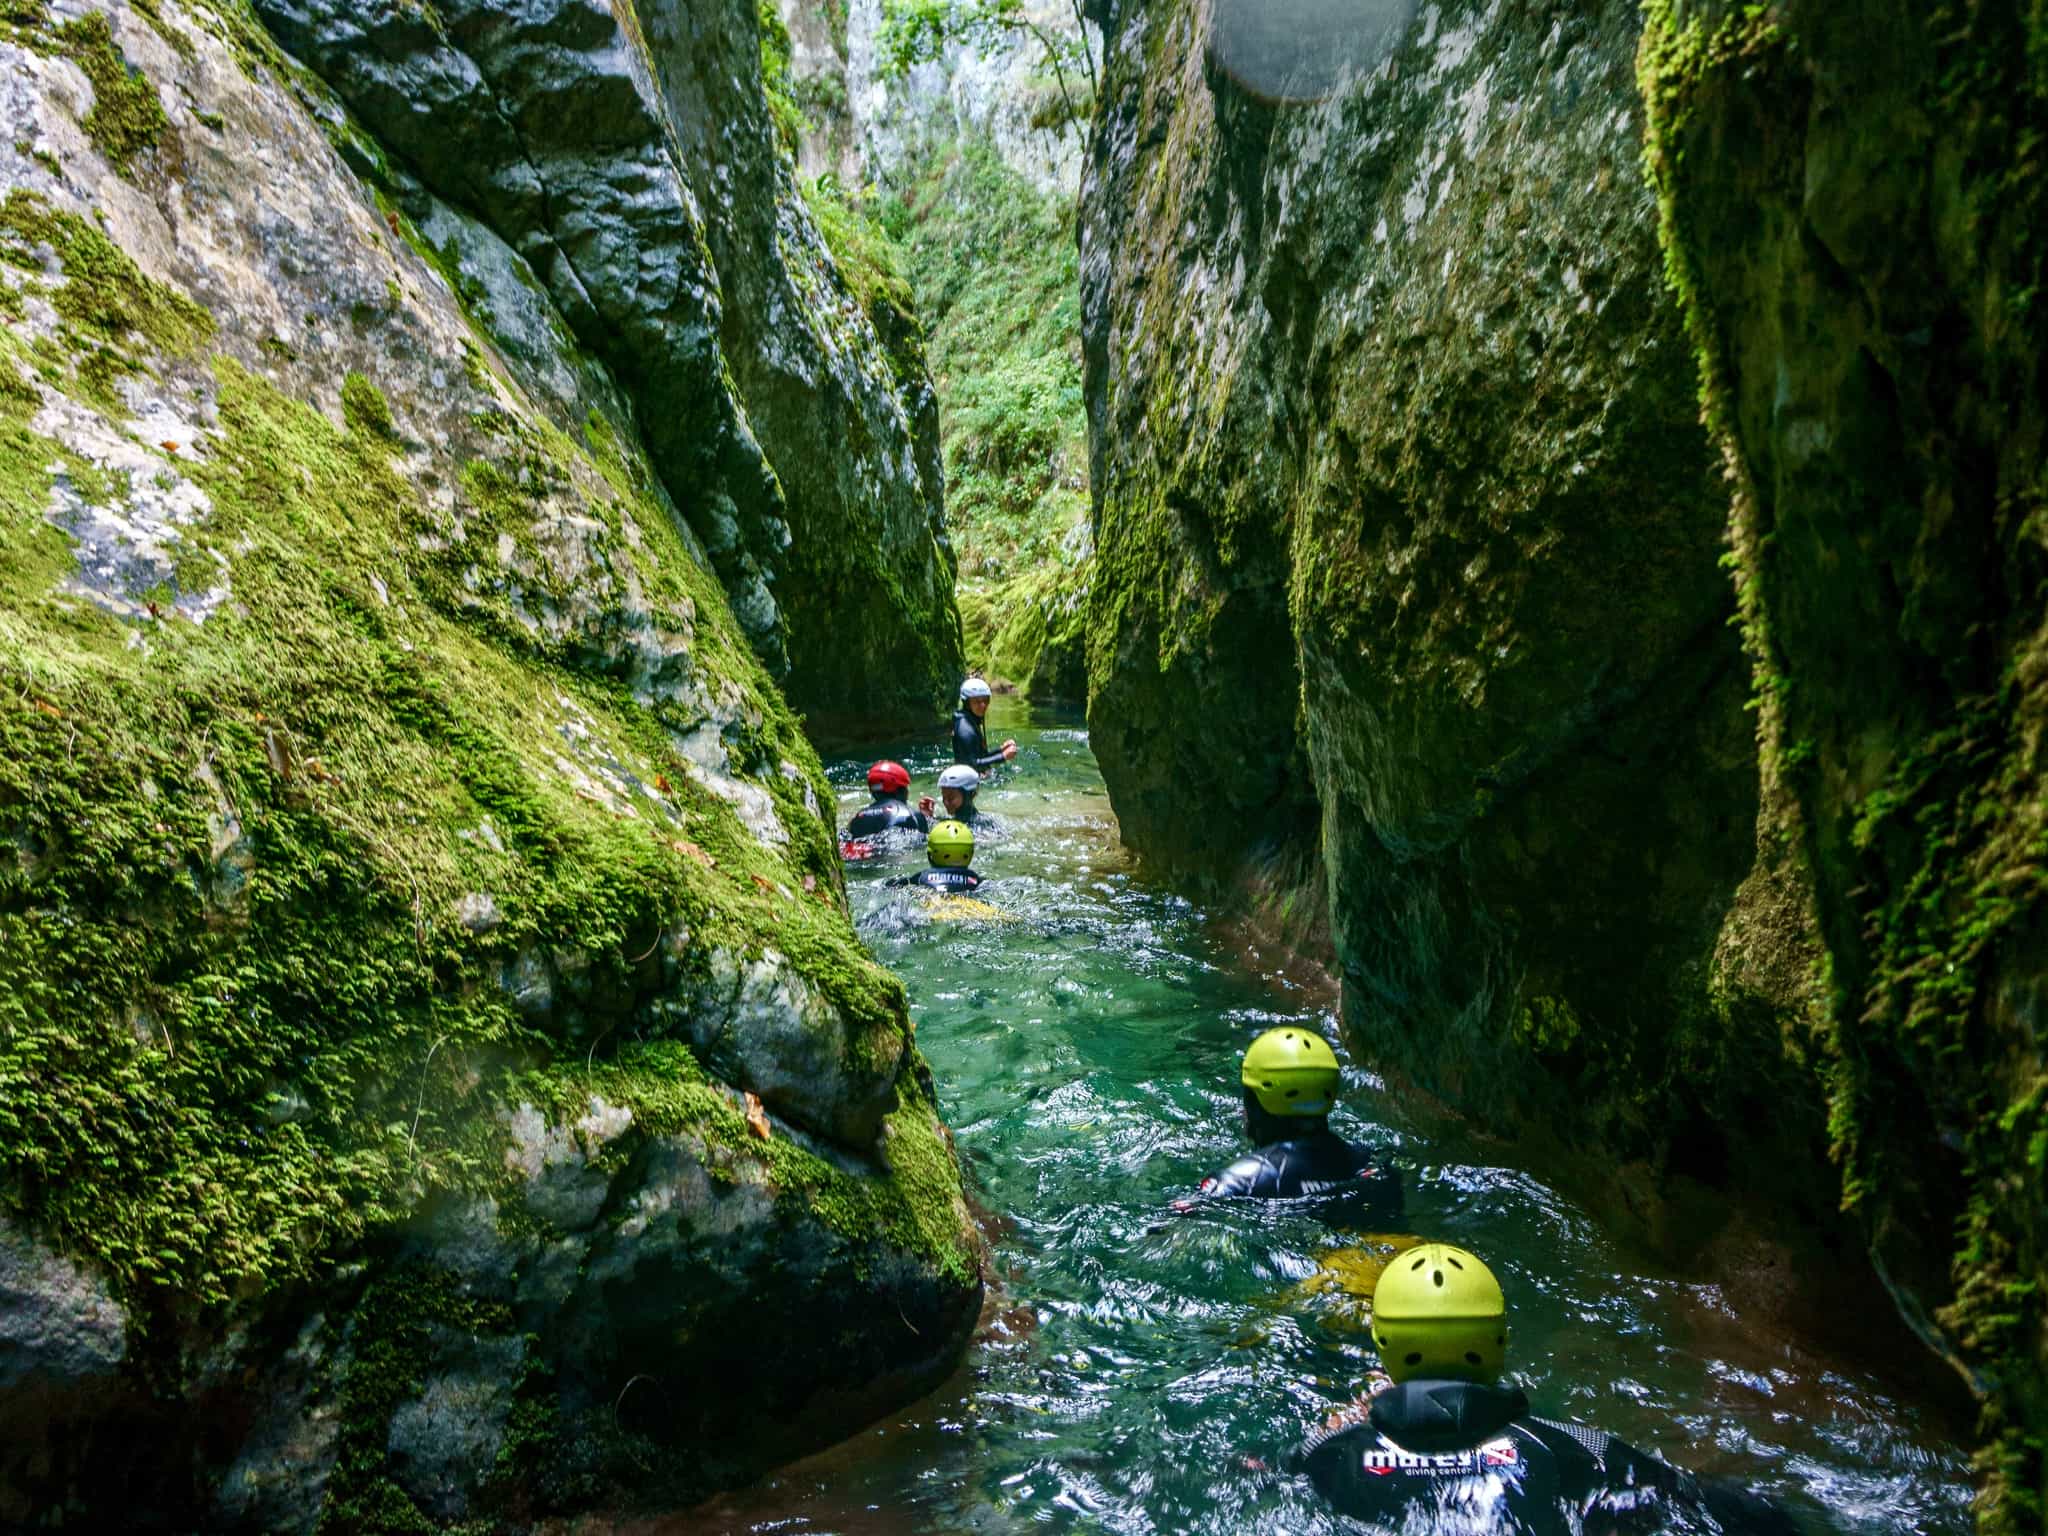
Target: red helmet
(889, 779)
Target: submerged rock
(410, 867)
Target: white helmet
(960, 777)
(974, 688)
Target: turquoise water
(1086, 1048)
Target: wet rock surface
(1856, 224)
(1407, 552)
(420, 900)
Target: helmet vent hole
(1472, 1357)
(1437, 1276)
(1417, 1265)
(1413, 1357)
(1453, 1263)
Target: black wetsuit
(1462, 1457)
(888, 813)
(970, 744)
(1323, 1165)
(946, 881)
(986, 828)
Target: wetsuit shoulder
(1310, 1165)
(885, 816)
(1503, 1482)
(1251, 1174)
(1594, 1466)
(953, 882)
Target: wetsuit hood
(1436, 1418)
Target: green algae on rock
(410, 866)
(1407, 543)
(1853, 218)
(631, 159)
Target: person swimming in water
(950, 847)
(958, 785)
(1290, 1078)
(1446, 1445)
(891, 810)
(970, 741)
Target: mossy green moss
(114, 314)
(389, 1337)
(1880, 511)
(776, 81)
(914, 1208)
(127, 117)
(871, 266)
(243, 1024)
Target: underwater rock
(390, 800)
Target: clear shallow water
(1086, 1048)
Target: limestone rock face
(434, 1037)
(629, 159)
(1853, 208)
(869, 123)
(1407, 543)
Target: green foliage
(364, 408)
(776, 80)
(867, 258)
(993, 264)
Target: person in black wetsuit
(950, 847)
(1290, 1078)
(958, 785)
(970, 743)
(891, 810)
(1448, 1446)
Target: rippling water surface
(1086, 1044)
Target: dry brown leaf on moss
(685, 846)
(757, 1116)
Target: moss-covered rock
(429, 1016)
(629, 155)
(1853, 213)
(1407, 543)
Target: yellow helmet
(1438, 1312)
(951, 843)
(1292, 1071)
